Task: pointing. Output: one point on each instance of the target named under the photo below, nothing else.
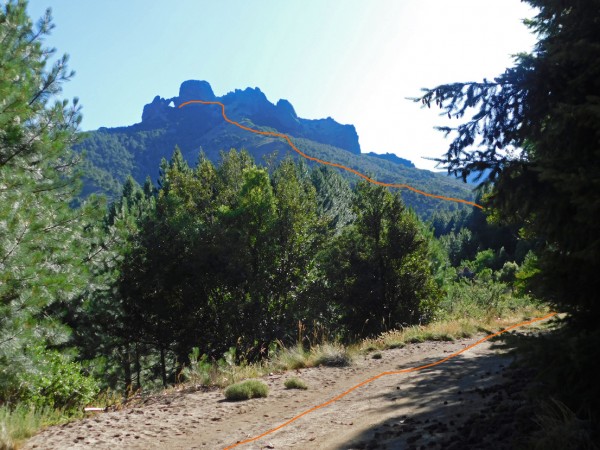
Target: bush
(508, 272)
(478, 299)
(246, 390)
(295, 383)
(56, 382)
(200, 370)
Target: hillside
(114, 153)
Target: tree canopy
(536, 128)
(44, 242)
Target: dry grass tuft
(560, 428)
(331, 355)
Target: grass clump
(221, 372)
(377, 355)
(295, 383)
(246, 390)
(22, 421)
(292, 358)
(396, 344)
(331, 355)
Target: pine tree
(536, 128)
(43, 241)
(378, 268)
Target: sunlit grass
(246, 390)
(23, 421)
(295, 383)
(450, 329)
(331, 355)
(291, 358)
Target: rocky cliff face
(250, 104)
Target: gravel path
(431, 409)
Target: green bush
(246, 390)
(56, 382)
(479, 299)
(508, 272)
(295, 383)
(200, 370)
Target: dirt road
(410, 411)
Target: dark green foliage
(465, 233)
(334, 197)
(229, 256)
(113, 154)
(44, 244)
(100, 330)
(377, 269)
(546, 105)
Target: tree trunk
(138, 367)
(163, 368)
(127, 367)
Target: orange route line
(383, 374)
(328, 163)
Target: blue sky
(353, 60)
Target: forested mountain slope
(114, 153)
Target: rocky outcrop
(194, 90)
(250, 104)
(157, 111)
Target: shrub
(57, 382)
(508, 272)
(377, 356)
(246, 390)
(295, 383)
(200, 370)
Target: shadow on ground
(473, 401)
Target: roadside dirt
(467, 402)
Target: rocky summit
(250, 104)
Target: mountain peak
(286, 108)
(251, 104)
(195, 90)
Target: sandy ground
(431, 409)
